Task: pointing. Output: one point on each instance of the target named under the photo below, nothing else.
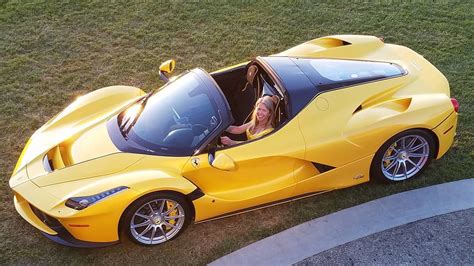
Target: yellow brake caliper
(171, 214)
(388, 153)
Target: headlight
(79, 203)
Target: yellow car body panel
(445, 133)
(84, 112)
(100, 222)
(345, 176)
(329, 144)
(23, 208)
(264, 173)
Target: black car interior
(242, 86)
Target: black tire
(384, 169)
(139, 214)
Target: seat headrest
(252, 73)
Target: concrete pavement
(447, 239)
(296, 244)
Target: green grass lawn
(50, 53)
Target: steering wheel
(199, 129)
(180, 137)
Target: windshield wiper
(127, 124)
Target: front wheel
(403, 156)
(156, 218)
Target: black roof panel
(299, 87)
(304, 78)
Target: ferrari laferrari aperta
(121, 162)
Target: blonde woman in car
(262, 122)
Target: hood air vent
(55, 159)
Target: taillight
(455, 104)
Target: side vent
(399, 105)
(357, 109)
(329, 42)
(322, 167)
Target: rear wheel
(403, 156)
(156, 218)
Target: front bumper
(65, 238)
(51, 227)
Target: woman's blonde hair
(269, 102)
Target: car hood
(106, 165)
(78, 154)
(92, 143)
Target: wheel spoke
(173, 217)
(163, 232)
(146, 230)
(396, 169)
(417, 167)
(151, 208)
(394, 149)
(417, 155)
(168, 224)
(142, 215)
(405, 170)
(403, 143)
(162, 206)
(172, 209)
(392, 157)
(392, 164)
(141, 224)
(152, 234)
(412, 142)
(417, 147)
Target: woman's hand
(226, 141)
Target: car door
(250, 174)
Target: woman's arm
(226, 141)
(238, 129)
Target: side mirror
(222, 162)
(166, 68)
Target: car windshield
(175, 119)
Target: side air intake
(323, 167)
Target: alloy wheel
(405, 157)
(157, 221)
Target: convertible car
(122, 162)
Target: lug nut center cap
(403, 155)
(156, 219)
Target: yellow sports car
(348, 108)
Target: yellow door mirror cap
(223, 162)
(168, 66)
